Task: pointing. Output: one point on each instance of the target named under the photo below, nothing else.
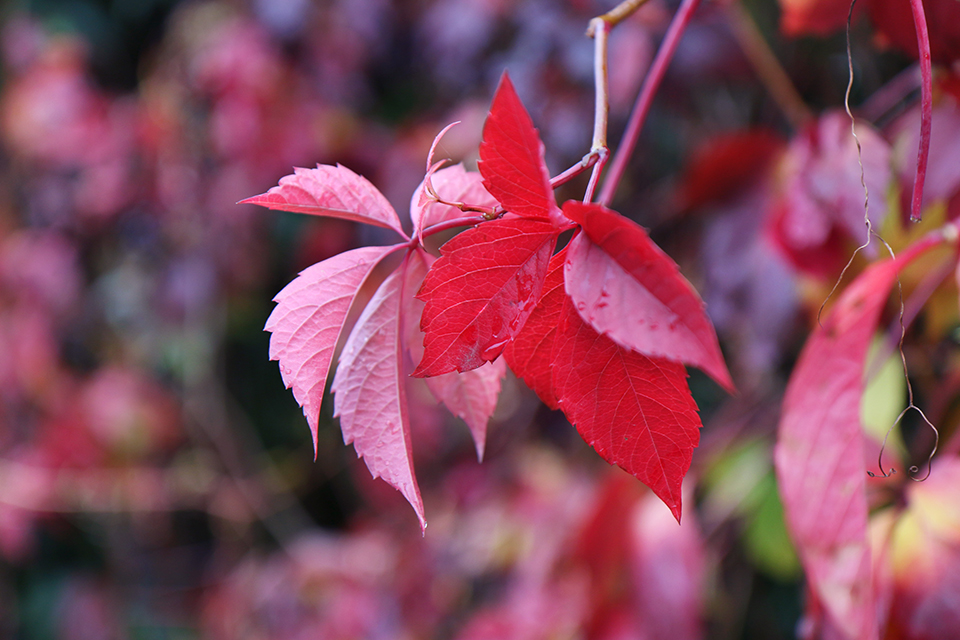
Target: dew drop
(581, 305)
(493, 350)
(654, 326)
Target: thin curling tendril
(870, 234)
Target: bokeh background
(158, 481)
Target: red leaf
(369, 394)
(480, 292)
(471, 395)
(819, 455)
(637, 412)
(530, 354)
(308, 319)
(726, 163)
(625, 287)
(813, 17)
(511, 157)
(330, 191)
(895, 21)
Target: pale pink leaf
(628, 289)
(453, 184)
(820, 453)
(331, 191)
(471, 395)
(308, 319)
(369, 395)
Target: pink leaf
(625, 287)
(330, 191)
(480, 292)
(943, 172)
(369, 395)
(511, 157)
(636, 411)
(819, 454)
(471, 395)
(452, 184)
(308, 319)
(822, 189)
(530, 354)
(668, 570)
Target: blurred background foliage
(157, 480)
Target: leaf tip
(676, 510)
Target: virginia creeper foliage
(601, 330)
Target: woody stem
(642, 106)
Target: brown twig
(767, 67)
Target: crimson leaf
(511, 157)
(636, 411)
(530, 354)
(480, 292)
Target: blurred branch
(649, 89)
(232, 436)
(767, 67)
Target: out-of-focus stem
(600, 29)
(767, 67)
(621, 12)
(640, 109)
(926, 107)
(888, 97)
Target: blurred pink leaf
(822, 199)
(943, 170)
(330, 191)
(308, 319)
(369, 395)
(925, 556)
(820, 457)
(471, 396)
(812, 17)
(668, 572)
